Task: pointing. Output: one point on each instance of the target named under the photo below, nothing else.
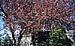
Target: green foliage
(57, 37)
(74, 32)
(73, 44)
(5, 43)
(74, 37)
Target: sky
(1, 24)
(2, 29)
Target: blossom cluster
(39, 14)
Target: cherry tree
(31, 16)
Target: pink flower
(56, 0)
